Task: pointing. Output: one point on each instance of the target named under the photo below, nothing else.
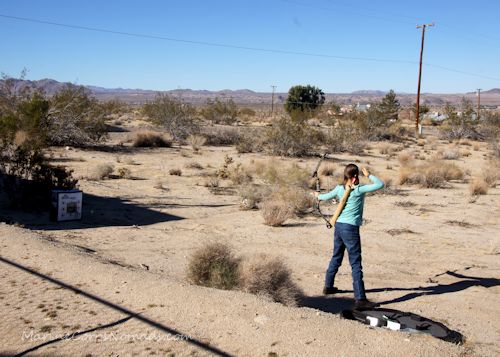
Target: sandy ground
(129, 255)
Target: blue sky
(466, 38)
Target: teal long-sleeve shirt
(353, 210)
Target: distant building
(436, 116)
(363, 107)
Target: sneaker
(329, 291)
(364, 304)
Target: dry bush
(211, 182)
(300, 200)
(421, 142)
(433, 174)
(385, 148)
(452, 154)
(100, 172)
(152, 139)
(214, 265)
(476, 146)
(490, 175)
(275, 173)
(465, 142)
(221, 136)
(478, 186)
(175, 172)
(196, 142)
(251, 195)
(405, 158)
(194, 165)
(124, 173)
(240, 175)
(271, 278)
(275, 213)
(405, 204)
(465, 153)
(327, 169)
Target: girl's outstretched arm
(376, 185)
(329, 195)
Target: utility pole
(478, 103)
(272, 101)
(417, 114)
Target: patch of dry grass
(432, 174)
(478, 186)
(214, 265)
(269, 277)
(124, 173)
(275, 212)
(405, 158)
(196, 142)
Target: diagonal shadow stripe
(116, 307)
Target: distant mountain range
(248, 97)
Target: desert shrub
(478, 186)
(460, 125)
(175, 172)
(124, 173)
(299, 199)
(211, 182)
(178, 118)
(100, 172)
(240, 175)
(491, 173)
(223, 172)
(275, 213)
(452, 154)
(245, 145)
(386, 149)
(221, 136)
(214, 265)
(274, 173)
(269, 277)
(251, 195)
(345, 137)
(290, 138)
(75, 117)
(405, 158)
(430, 175)
(194, 165)
(27, 178)
(25, 174)
(152, 139)
(465, 153)
(196, 142)
(220, 111)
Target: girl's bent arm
(376, 185)
(328, 196)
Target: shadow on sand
(97, 212)
(129, 314)
(332, 305)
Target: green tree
(305, 99)
(389, 106)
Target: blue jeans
(347, 236)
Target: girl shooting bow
(347, 219)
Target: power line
(204, 43)
(238, 47)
